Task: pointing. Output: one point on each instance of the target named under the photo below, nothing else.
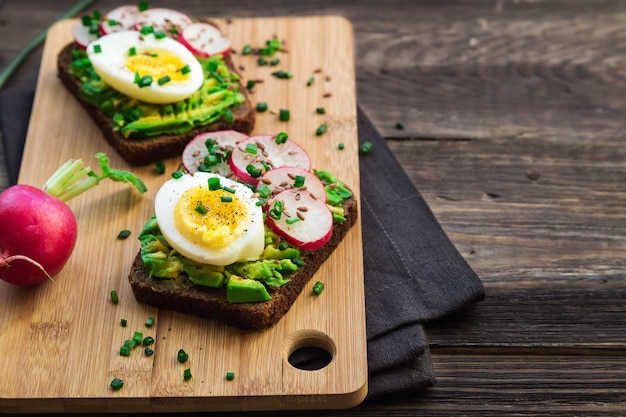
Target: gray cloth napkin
(413, 273)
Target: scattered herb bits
(310, 81)
(123, 234)
(318, 287)
(148, 352)
(114, 298)
(182, 356)
(399, 126)
(117, 384)
(148, 340)
(284, 115)
(150, 322)
(261, 107)
(187, 374)
(341, 146)
(320, 110)
(321, 129)
(123, 322)
(247, 50)
(366, 147)
(159, 167)
(230, 376)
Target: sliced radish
(195, 152)
(301, 219)
(82, 35)
(118, 19)
(170, 21)
(284, 178)
(270, 154)
(204, 40)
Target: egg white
(247, 247)
(110, 65)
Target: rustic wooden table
(514, 115)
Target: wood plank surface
(80, 327)
(513, 114)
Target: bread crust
(149, 150)
(183, 296)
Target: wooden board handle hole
(310, 350)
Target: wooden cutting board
(59, 342)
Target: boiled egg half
(210, 219)
(147, 67)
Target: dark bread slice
(156, 148)
(183, 296)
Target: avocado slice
(243, 290)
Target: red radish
(118, 19)
(82, 36)
(197, 150)
(282, 178)
(300, 218)
(204, 40)
(170, 21)
(258, 154)
(38, 230)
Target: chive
(250, 84)
(299, 181)
(228, 115)
(399, 126)
(214, 183)
(247, 50)
(145, 30)
(182, 356)
(150, 322)
(252, 148)
(132, 51)
(177, 174)
(164, 80)
(341, 146)
(229, 190)
(6, 73)
(125, 351)
(187, 374)
(185, 70)
(112, 22)
(273, 44)
(283, 74)
(143, 5)
(264, 191)
(97, 48)
(321, 129)
(253, 171)
(226, 199)
(261, 61)
(284, 115)
(298, 262)
(318, 287)
(261, 106)
(366, 147)
(148, 351)
(201, 209)
(123, 322)
(277, 210)
(283, 245)
(137, 338)
(144, 81)
(292, 221)
(123, 234)
(159, 34)
(230, 376)
(149, 340)
(281, 138)
(117, 384)
(275, 62)
(114, 297)
(159, 167)
(320, 110)
(310, 82)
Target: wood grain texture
(78, 325)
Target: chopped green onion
(253, 171)
(112, 22)
(125, 351)
(117, 384)
(148, 351)
(284, 115)
(264, 191)
(123, 234)
(185, 70)
(214, 183)
(321, 129)
(164, 80)
(137, 338)
(250, 84)
(320, 110)
(150, 322)
(149, 340)
(283, 74)
(318, 287)
(252, 148)
(273, 44)
(261, 61)
(247, 50)
(275, 62)
(182, 356)
(146, 30)
(261, 106)
(298, 262)
(187, 374)
(399, 126)
(277, 210)
(143, 5)
(144, 81)
(201, 209)
(299, 181)
(366, 147)
(177, 174)
(310, 82)
(132, 51)
(229, 190)
(292, 221)
(114, 297)
(230, 376)
(281, 138)
(226, 199)
(341, 146)
(123, 322)
(159, 34)
(97, 48)
(159, 167)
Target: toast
(143, 151)
(183, 296)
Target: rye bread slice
(156, 148)
(183, 296)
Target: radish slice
(284, 178)
(118, 19)
(301, 219)
(195, 152)
(204, 39)
(269, 155)
(170, 21)
(82, 35)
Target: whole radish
(38, 230)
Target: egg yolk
(217, 223)
(158, 64)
